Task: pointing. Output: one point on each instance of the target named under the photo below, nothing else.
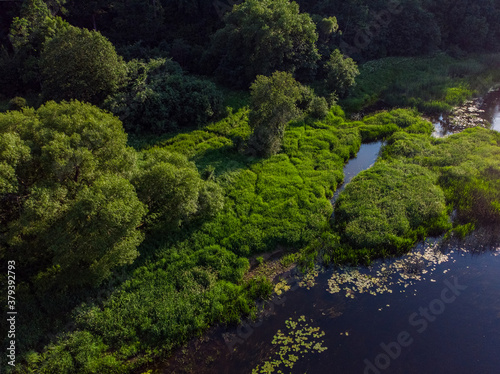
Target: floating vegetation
(309, 280)
(468, 115)
(299, 339)
(281, 286)
(405, 272)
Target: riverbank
(189, 280)
(358, 311)
(433, 84)
(446, 158)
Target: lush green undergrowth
(411, 190)
(390, 206)
(190, 278)
(431, 84)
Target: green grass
(412, 188)
(389, 207)
(430, 84)
(189, 279)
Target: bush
(389, 205)
(17, 103)
(159, 98)
(80, 64)
(318, 108)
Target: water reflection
(491, 109)
(366, 157)
(472, 113)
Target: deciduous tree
(81, 64)
(273, 105)
(262, 36)
(341, 72)
(67, 208)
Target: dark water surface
(461, 335)
(427, 313)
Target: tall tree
(67, 209)
(81, 64)
(273, 104)
(262, 36)
(341, 72)
(28, 33)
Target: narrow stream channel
(366, 157)
(435, 310)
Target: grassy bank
(189, 279)
(193, 277)
(411, 190)
(430, 84)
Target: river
(435, 310)
(491, 109)
(486, 108)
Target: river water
(435, 310)
(489, 110)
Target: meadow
(431, 84)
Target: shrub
(17, 103)
(80, 64)
(159, 98)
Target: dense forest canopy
(150, 149)
(194, 32)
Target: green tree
(262, 36)
(81, 64)
(27, 35)
(273, 104)
(68, 211)
(341, 72)
(158, 98)
(98, 231)
(173, 190)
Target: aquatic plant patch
(298, 340)
(385, 277)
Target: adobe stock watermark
(380, 20)
(420, 321)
